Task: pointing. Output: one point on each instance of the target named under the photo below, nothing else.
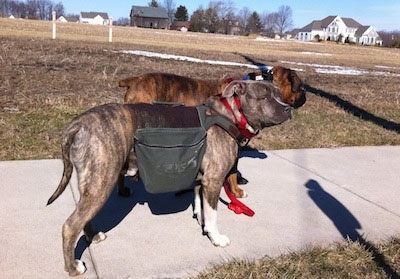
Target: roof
(361, 30)
(326, 21)
(351, 22)
(94, 14)
(321, 24)
(71, 18)
(153, 12)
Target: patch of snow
(315, 53)
(191, 59)
(319, 68)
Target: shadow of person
(342, 218)
(117, 208)
(346, 223)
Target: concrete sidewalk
(300, 197)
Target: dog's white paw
(131, 172)
(98, 237)
(79, 268)
(219, 240)
(244, 194)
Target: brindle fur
(166, 87)
(170, 88)
(98, 143)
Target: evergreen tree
(181, 13)
(153, 3)
(254, 24)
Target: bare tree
(42, 9)
(243, 17)
(197, 20)
(269, 23)
(212, 20)
(59, 9)
(283, 20)
(170, 6)
(31, 8)
(227, 16)
(226, 10)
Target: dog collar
(242, 124)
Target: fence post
(54, 25)
(110, 31)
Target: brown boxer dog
(166, 87)
(98, 144)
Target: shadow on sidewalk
(346, 223)
(117, 208)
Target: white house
(94, 18)
(336, 28)
(367, 35)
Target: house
(230, 27)
(73, 19)
(149, 17)
(367, 35)
(94, 18)
(180, 25)
(336, 28)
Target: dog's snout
(288, 111)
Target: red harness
(242, 122)
(235, 205)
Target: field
(353, 99)
(45, 82)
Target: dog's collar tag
(242, 124)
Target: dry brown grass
(44, 83)
(352, 260)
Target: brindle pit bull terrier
(166, 87)
(89, 144)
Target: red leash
(235, 205)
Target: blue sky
(382, 14)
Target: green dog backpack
(170, 146)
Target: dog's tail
(66, 142)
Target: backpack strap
(208, 117)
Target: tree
(226, 14)
(59, 9)
(169, 5)
(181, 13)
(283, 19)
(243, 17)
(254, 24)
(197, 21)
(211, 19)
(153, 3)
(122, 21)
(41, 9)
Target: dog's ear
(235, 87)
(295, 81)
